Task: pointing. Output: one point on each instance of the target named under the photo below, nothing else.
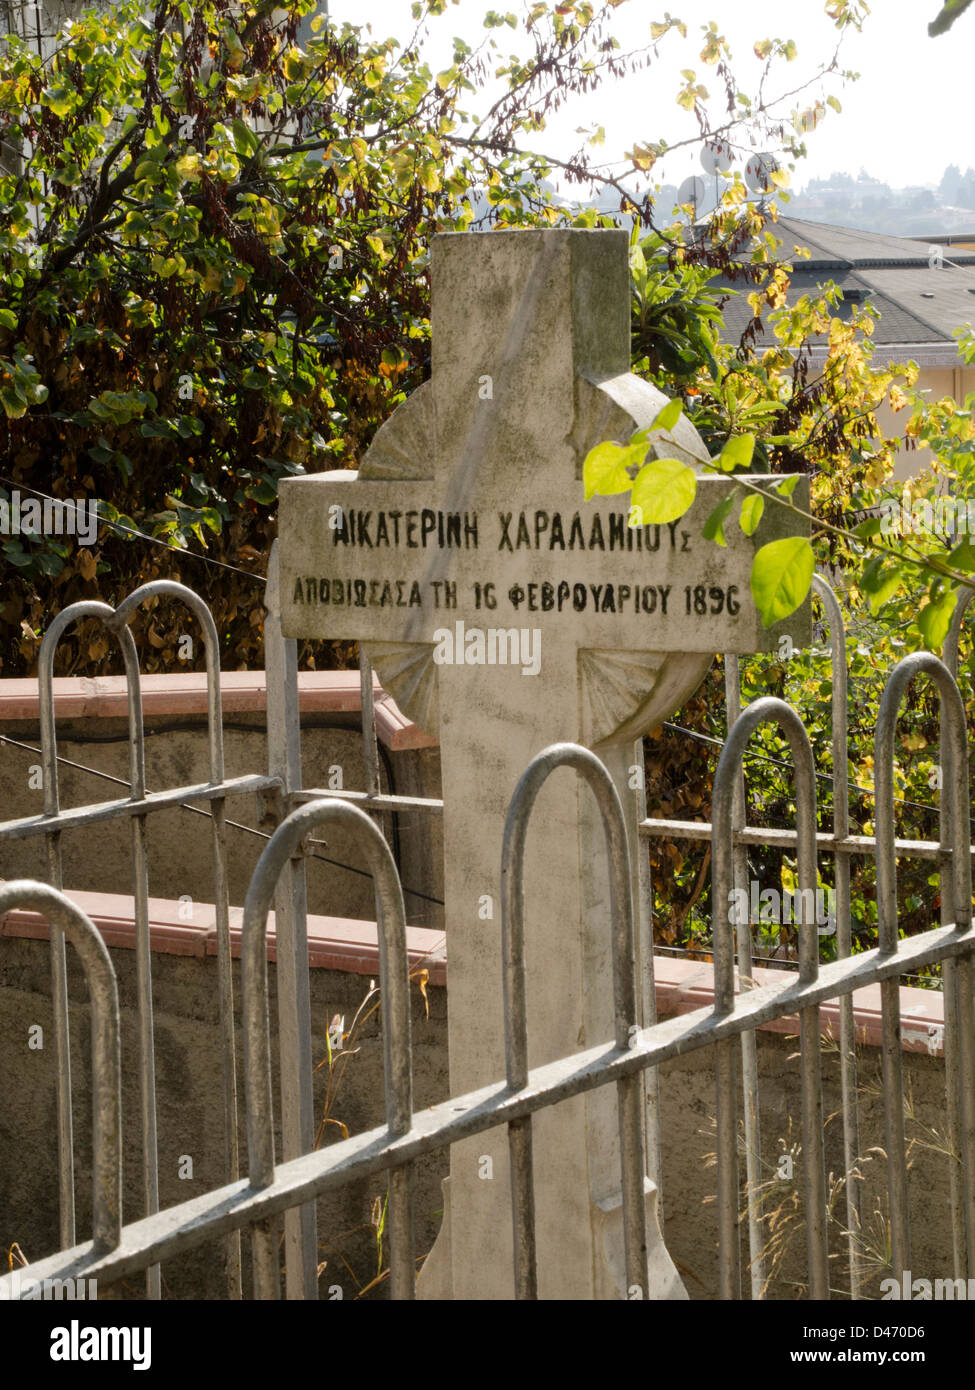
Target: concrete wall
(188, 1078)
(99, 858)
(688, 1119)
(189, 1088)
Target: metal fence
(290, 1188)
(730, 834)
(54, 822)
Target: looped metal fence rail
(136, 808)
(397, 1050)
(725, 782)
(633, 1156)
(291, 1186)
(106, 1063)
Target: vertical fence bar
(642, 894)
(397, 1049)
(225, 986)
(399, 1178)
(633, 1159)
(844, 939)
(725, 781)
(810, 1060)
(893, 1077)
(725, 1052)
(963, 1267)
(955, 775)
(62, 1042)
(516, 1040)
(143, 950)
(746, 979)
(106, 1066)
(59, 967)
(221, 899)
(104, 613)
(370, 749)
(290, 915)
(955, 770)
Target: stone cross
(505, 613)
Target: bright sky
(904, 120)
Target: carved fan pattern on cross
(621, 692)
(397, 453)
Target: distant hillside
(872, 206)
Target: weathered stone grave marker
(505, 614)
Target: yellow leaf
(188, 166)
(429, 176)
(643, 157)
(422, 978)
(293, 64)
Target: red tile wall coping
(104, 697)
(189, 929)
(685, 985)
(343, 943)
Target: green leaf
(429, 175)
(50, 564)
(663, 491)
(963, 556)
(788, 484)
(666, 418)
(263, 491)
(880, 580)
(751, 513)
(713, 529)
(737, 453)
(60, 99)
(8, 319)
(782, 572)
(604, 470)
(934, 619)
(868, 528)
(14, 404)
(245, 140)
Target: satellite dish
(759, 171)
(715, 157)
(692, 190)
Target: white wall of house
(936, 382)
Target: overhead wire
(197, 810)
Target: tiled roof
(850, 248)
(917, 305)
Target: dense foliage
(900, 574)
(214, 224)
